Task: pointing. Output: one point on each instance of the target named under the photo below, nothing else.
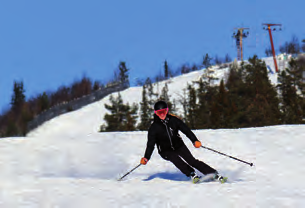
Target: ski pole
(129, 172)
(251, 164)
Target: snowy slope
(81, 171)
(131, 95)
(66, 163)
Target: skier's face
(161, 113)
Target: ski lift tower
(271, 41)
(239, 35)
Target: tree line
(293, 47)
(246, 98)
(13, 122)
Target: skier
(164, 133)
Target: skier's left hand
(197, 144)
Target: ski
(223, 180)
(209, 178)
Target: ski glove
(143, 161)
(197, 144)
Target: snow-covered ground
(66, 163)
(75, 170)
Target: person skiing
(163, 133)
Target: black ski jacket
(164, 134)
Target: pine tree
(96, 86)
(236, 95)
(164, 93)
(145, 111)
(227, 58)
(208, 73)
(11, 129)
(122, 116)
(251, 96)
(292, 47)
(206, 94)
(165, 97)
(191, 110)
(215, 115)
(114, 119)
(297, 73)
(130, 117)
(123, 74)
(43, 102)
(218, 60)
(166, 71)
(152, 96)
(207, 61)
(291, 107)
(202, 111)
(262, 101)
(26, 117)
(18, 97)
(183, 100)
(220, 109)
(234, 78)
(194, 68)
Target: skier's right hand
(143, 161)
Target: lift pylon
(239, 35)
(271, 41)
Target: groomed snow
(66, 163)
(74, 171)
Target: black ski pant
(183, 159)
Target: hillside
(132, 95)
(66, 163)
(77, 170)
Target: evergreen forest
(244, 98)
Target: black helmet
(160, 105)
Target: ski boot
(195, 178)
(220, 178)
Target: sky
(47, 44)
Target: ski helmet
(160, 105)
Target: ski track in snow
(66, 163)
(83, 171)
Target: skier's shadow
(175, 176)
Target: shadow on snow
(233, 175)
(174, 176)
